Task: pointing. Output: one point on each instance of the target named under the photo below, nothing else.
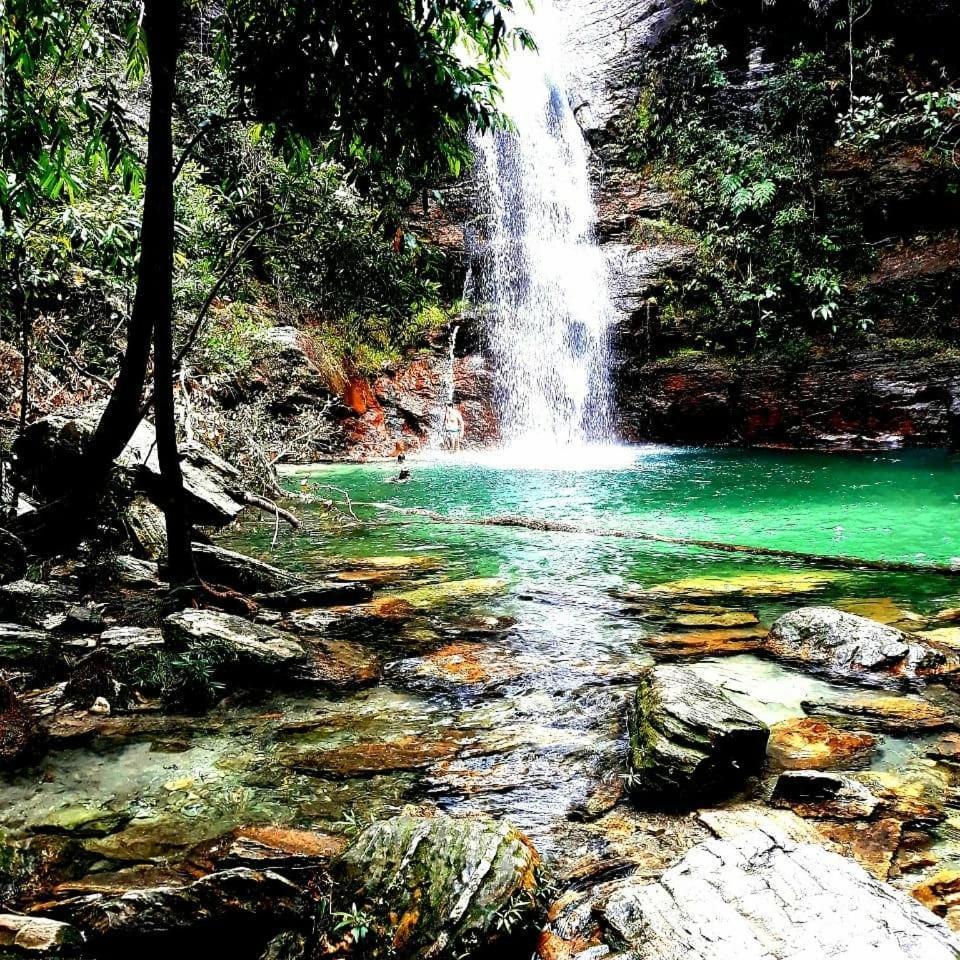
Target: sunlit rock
(688, 740)
(855, 648)
(469, 664)
(941, 894)
(883, 610)
(240, 642)
(443, 886)
(38, 937)
(809, 744)
(885, 712)
(761, 896)
(783, 584)
(707, 643)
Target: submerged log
(829, 561)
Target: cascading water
(541, 279)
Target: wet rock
(918, 794)
(719, 619)
(437, 886)
(146, 526)
(241, 572)
(376, 757)
(78, 820)
(707, 643)
(855, 648)
(318, 594)
(226, 897)
(239, 642)
(278, 848)
(762, 896)
(886, 713)
(941, 894)
(477, 665)
(809, 744)
(946, 749)
(339, 664)
(440, 594)
(20, 733)
(948, 637)
(871, 843)
(812, 793)
(38, 937)
(883, 610)
(688, 740)
(748, 584)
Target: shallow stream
(509, 653)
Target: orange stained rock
(810, 744)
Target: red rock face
(402, 409)
(862, 402)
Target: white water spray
(541, 281)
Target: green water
(560, 641)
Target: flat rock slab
(855, 648)
(888, 713)
(236, 640)
(688, 740)
(762, 896)
(319, 594)
(21, 645)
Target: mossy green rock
(688, 741)
(444, 886)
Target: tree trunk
(161, 24)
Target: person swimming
(404, 475)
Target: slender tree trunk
(161, 23)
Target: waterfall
(541, 280)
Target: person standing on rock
(453, 428)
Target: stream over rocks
(490, 676)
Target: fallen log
(828, 561)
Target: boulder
(37, 936)
(26, 601)
(23, 646)
(241, 572)
(442, 886)
(761, 896)
(233, 640)
(854, 648)
(131, 638)
(688, 740)
(227, 897)
(51, 449)
(277, 848)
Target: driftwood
(797, 556)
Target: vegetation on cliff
(811, 149)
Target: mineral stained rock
(437, 885)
